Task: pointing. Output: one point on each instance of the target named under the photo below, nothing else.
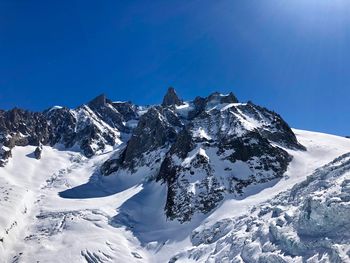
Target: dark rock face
(38, 151)
(91, 127)
(127, 110)
(230, 98)
(219, 148)
(20, 128)
(98, 102)
(156, 129)
(5, 154)
(216, 97)
(256, 160)
(63, 123)
(281, 132)
(171, 98)
(200, 104)
(32, 126)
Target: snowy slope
(60, 208)
(45, 227)
(309, 223)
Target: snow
(55, 108)
(298, 223)
(321, 149)
(4, 148)
(192, 155)
(201, 133)
(46, 227)
(131, 123)
(60, 208)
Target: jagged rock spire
(171, 98)
(98, 101)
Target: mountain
(205, 150)
(90, 128)
(181, 181)
(309, 223)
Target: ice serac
(206, 150)
(309, 223)
(171, 98)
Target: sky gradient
(292, 56)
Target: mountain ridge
(169, 182)
(202, 150)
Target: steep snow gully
(64, 207)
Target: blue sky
(292, 56)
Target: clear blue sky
(292, 56)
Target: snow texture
(60, 208)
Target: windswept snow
(60, 208)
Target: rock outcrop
(38, 151)
(171, 98)
(92, 128)
(309, 223)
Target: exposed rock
(38, 151)
(171, 98)
(91, 127)
(317, 229)
(219, 98)
(127, 110)
(199, 106)
(99, 101)
(152, 132)
(5, 154)
(209, 153)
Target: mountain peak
(171, 98)
(99, 101)
(221, 98)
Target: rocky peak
(99, 101)
(230, 98)
(92, 127)
(171, 98)
(127, 109)
(217, 97)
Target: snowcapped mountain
(91, 128)
(309, 223)
(208, 180)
